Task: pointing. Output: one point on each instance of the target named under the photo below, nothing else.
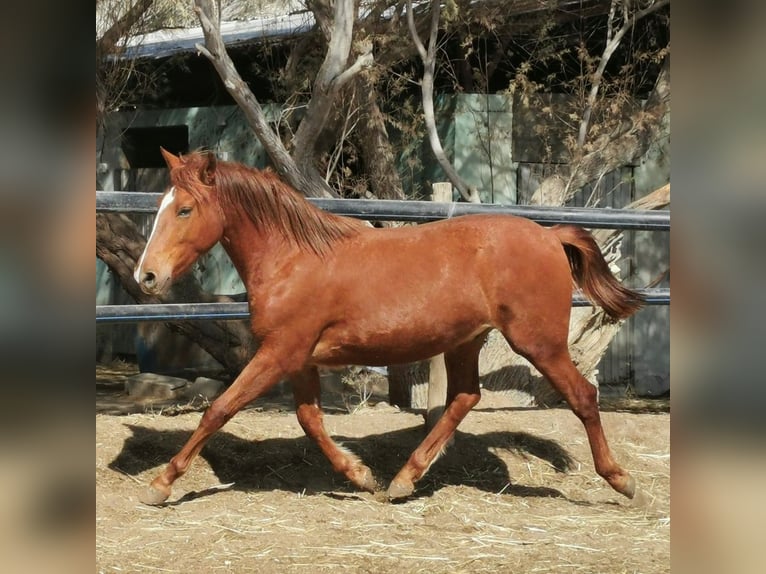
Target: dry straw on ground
(516, 492)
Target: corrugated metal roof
(163, 43)
(236, 30)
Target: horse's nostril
(149, 279)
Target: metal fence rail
(421, 211)
(234, 311)
(376, 210)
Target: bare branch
(107, 43)
(204, 51)
(308, 181)
(649, 9)
(631, 141)
(215, 51)
(345, 131)
(332, 76)
(612, 43)
(112, 75)
(468, 192)
(363, 61)
(610, 21)
(414, 32)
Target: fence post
(437, 372)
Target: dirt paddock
(515, 493)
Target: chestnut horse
(328, 291)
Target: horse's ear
(207, 174)
(170, 159)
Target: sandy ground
(515, 493)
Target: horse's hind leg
(548, 352)
(463, 393)
(306, 391)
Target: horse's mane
(271, 203)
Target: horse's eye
(184, 212)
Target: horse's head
(188, 222)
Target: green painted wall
(476, 133)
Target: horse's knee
(465, 400)
(583, 400)
(216, 415)
(470, 400)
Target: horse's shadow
(297, 465)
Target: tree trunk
(374, 145)
(370, 135)
(428, 56)
(333, 74)
(301, 174)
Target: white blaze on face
(166, 201)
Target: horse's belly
(339, 347)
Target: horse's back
(470, 250)
(469, 257)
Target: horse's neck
(244, 244)
(251, 250)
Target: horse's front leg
(463, 392)
(306, 391)
(260, 374)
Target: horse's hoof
(153, 496)
(398, 490)
(629, 488)
(366, 481)
(641, 500)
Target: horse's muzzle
(148, 282)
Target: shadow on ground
(297, 465)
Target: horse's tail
(592, 274)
